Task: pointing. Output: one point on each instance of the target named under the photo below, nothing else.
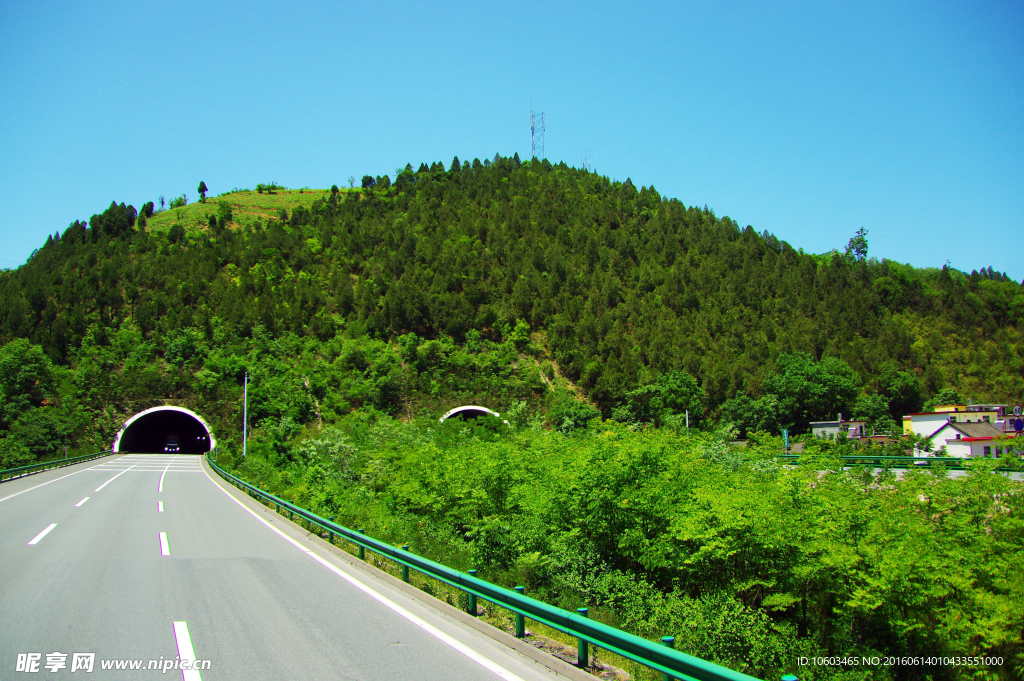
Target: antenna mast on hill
(585, 160)
(536, 133)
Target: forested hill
(618, 285)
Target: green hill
(496, 282)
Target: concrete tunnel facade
(165, 429)
(471, 411)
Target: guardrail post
(670, 642)
(290, 517)
(520, 620)
(277, 508)
(331, 532)
(582, 648)
(471, 608)
(362, 549)
(405, 568)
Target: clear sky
(806, 119)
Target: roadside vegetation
(663, 532)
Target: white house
(964, 440)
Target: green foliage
(673, 394)
(176, 234)
(747, 563)
(115, 222)
(752, 416)
(202, 191)
(875, 409)
(944, 396)
(179, 202)
(857, 248)
(567, 414)
(224, 214)
(520, 335)
(807, 389)
(26, 377)
(901, 390)
(31, 426)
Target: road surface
(149, 559)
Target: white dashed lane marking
(42, 534)
(185, 651)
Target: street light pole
(245, 411)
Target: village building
(830, 429)
(968, 440)
(926, 423)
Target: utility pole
(245, 411)
(536, 133)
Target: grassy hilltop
(248, 206)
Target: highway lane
(260, 599)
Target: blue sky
(808, 120)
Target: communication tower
(585, 160)
(536, 134)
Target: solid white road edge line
(81, 502)
(49, 481)
(185, 651)
(42, 534)
(165, 550)
(159, 507)
(162, 479)
(113, 478)
(381, 598)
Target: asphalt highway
(152, 559)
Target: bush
(176, 233)
(569, 415)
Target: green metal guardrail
(47, 465)
(673, 664)
(950, 462)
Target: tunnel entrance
(471, 411)
(171, 430)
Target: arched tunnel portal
(174, 430)
(470, 411)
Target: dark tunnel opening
(165, 431)
(471, 414)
